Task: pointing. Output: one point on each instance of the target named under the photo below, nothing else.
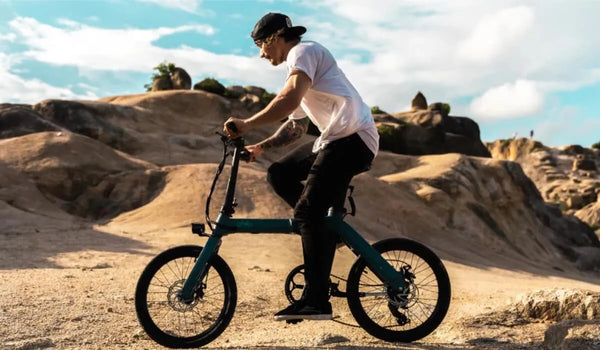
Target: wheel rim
(175, 317)
(405, 309)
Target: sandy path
(74, 289)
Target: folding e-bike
(397, 290)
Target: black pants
(327, 174)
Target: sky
(511, 66)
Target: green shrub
(446, 108)
(376, 110)
(596, 145)
(164, 69)
(389, 138)
(211, 85)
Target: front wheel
(400, 315)
(176, 324)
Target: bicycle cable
(214, 183)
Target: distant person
(514, 135)
(531, 134)
(315, 86)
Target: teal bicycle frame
(225, 225)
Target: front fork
(186, 294)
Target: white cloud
(522, 98)
(184, 5)
(496, 34)
(96, 48)
(93, 49)
(15, 89)
(457, 50)
(452, 51)
(8, 37)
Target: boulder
(235, 91)
(573, 150)
(255, 90)
(584, 163)
(432, 131)
(89, 119)
(251, 102)
(419, 102)
(180, 79)
(210, 85)
(18, 120)
(559, 304)
(162, 83)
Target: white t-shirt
(331, 103)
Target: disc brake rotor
(175, 301)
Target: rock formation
(177, 79)
(17, 120)
(429, 130)
(180, 79)
(565, 176)
(122, 152)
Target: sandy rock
(590, 214)
(251, 102)
(573, 335)
(558, 305)
(17, 120)
(162, 83)
(427, 130)
(180, 79)
(255, 90)
(236, 91)
(89, 119)
(419, 102)
(582, 163)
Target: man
(316, 87)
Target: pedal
(293, 321)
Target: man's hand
(255, 151)
(240, 125)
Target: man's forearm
(289, 132)
(286, 102)
(278, 108)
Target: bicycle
(397, 290)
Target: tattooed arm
(290, 131)
(286, 102)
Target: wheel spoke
(397, 312)
(208, 313)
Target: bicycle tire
(155, 283)
(398, 309)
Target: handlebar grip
(231, 126)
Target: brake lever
(224, 137)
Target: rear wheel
(400, 315)
(172, 322)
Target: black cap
(272, 22)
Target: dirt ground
(74, 289)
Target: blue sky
(512, 66)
